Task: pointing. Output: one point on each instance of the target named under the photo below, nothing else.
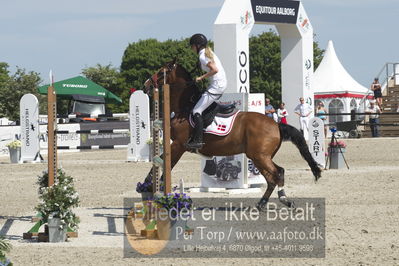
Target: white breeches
(205, 101)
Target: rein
(164, 73)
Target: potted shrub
(172, 215)
(56, 204)
(14, 148)
(5, 247)
(336, 150)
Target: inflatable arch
(231, 33)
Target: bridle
(165, 71)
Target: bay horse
(254, 134)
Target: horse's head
(165, 74)
(183, 90)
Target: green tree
(265, 64)
(317, 55)
(143, 58)
(108, 77)
(13, 88)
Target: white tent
(335, 87)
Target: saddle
(215, 109)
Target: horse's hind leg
(280, 183)
(267, 168)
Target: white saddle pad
(220, 126)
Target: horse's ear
(175, 60)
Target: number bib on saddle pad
(220, 126)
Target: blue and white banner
(316, 140)
(29, 117)
(139, 116)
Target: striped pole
(93, 147)
(93, 131)
(119, 115)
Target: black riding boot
(196, 140)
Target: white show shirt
(303, 109)
(218, 82)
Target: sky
(67, 36)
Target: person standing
(376, 88)
(269, 109)
(303, 110)
(282, 114)
(211, 64)
(321, 111)
(374, 112)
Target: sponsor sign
(316, 140)
(70, 139)
(226, 171)
(104, 138)
(29, 117)
(256, 103)
(275, 11)
(139, 116)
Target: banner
(70, 139)
(256, 103)
(139, 116)
(29, 115)
(316, 140)
(104, 138)
(275, 11)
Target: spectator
(303, 110)
(282, 114)
(376, 88)
(374, 112)
(321, 111)
(269, 110)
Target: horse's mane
(191, 87)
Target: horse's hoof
(290, 204)
(262, 204)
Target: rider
(211, 64)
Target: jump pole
(52, 136)
(167, 168)
(165, 125)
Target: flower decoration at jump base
(146, 186)
(337, 144)
(175, 203)
(58, 200)
(14, 144)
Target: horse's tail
(288, 132)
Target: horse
(254, 134)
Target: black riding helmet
(198, 40)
